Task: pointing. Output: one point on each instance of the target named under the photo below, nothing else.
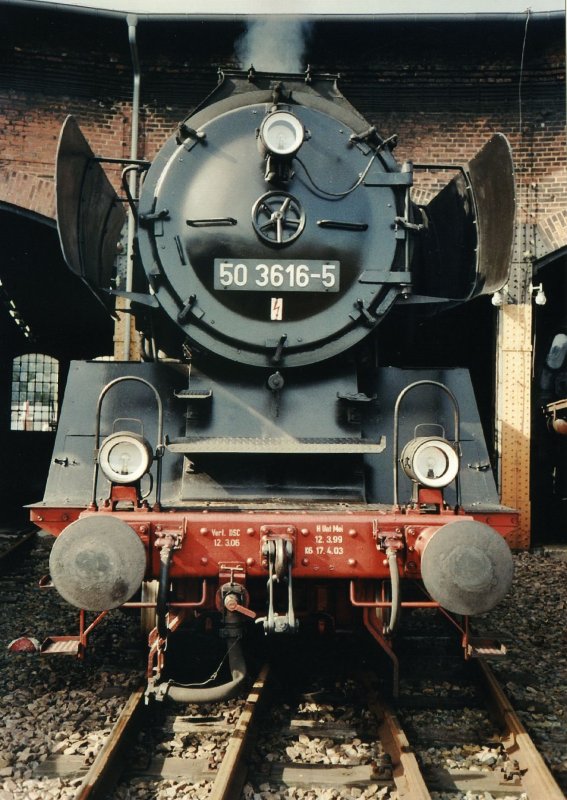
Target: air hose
(396, 595)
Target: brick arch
(29, 192)
(553, 231)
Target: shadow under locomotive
(272, 470)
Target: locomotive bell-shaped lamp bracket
(136, 447)
(439, 447)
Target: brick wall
(443, 101)
(443, 88)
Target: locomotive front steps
(484, 647)
(61, 646)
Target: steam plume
(274, 45)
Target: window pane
(34, 393)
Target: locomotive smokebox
(97, 563)
(466, 566)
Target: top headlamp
(282, 134)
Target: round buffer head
(97, 563)
(467, 567)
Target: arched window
(35, 379)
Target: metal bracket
(171, 539)
(365, 314)
(153, 216)
(393, 540)
(402, 222)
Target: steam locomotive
(262, 466)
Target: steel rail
(21, 540)
(406, 772)
(536, 777)
(232, 772)
(105, 770)
(531, 776)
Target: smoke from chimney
(274, 45)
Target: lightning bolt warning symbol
(276, 311)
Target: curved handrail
(457, 423)
(160, 445)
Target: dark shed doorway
(47, 318)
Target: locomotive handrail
(125, 177)
(160, 448)
(456, 167)
(457, 423)
(140, 162)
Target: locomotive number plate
(285, 276)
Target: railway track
(500, 758)
(380, 753)
(341, 740)
(197, 753)
(15, 542)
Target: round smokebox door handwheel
(278, 217)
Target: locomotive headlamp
(430, 461)
(281, 133)
(125, 457)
